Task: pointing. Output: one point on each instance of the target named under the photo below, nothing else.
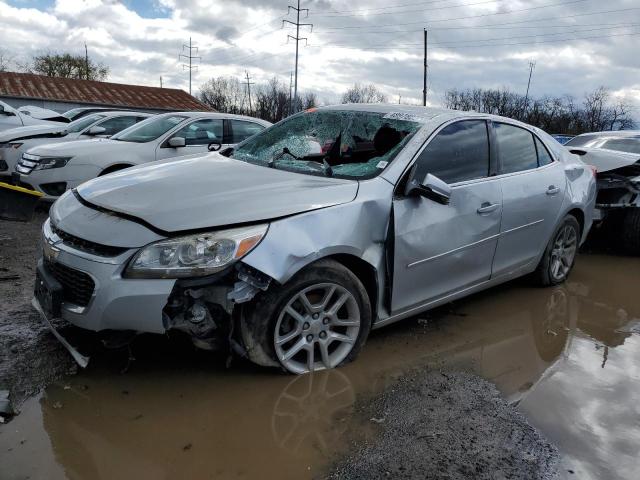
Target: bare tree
(224, 94)
(553, 114)
(363, 94)
(6, 61)
(66, 65)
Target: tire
(631, 232)
(546, 273)
(329, 339)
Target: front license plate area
(48, 291)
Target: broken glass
(354, 144)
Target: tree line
(56, 64)
(596, 111)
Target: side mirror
(177, 142)
(6, 112)
(215, 146)
(96, 131)
(430, 187)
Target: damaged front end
(207, 309)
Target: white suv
(54, 168)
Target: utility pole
(290, 94)
(86, 61)
(297, 39)
(526, 97)
(424, 79)
(160, 81)
(189, 57)
(249, 90)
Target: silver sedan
(289, 248)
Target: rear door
(533, 186)
(442, 249)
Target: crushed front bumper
(108, 301)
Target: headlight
(194, 255)
(46, 163)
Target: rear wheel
(631, 231)
(318, 320)
(560, 254)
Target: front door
(442, 249)
(197, 135)
(533, 187)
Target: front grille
(77, 286)
(86, 245)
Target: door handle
(552, 190)
(487, 207)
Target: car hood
(81, 147)
(31, 131)
(212, 191)
(605, 160)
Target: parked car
(14, 142)
(77, 113)
(12, 118)
(54, 168)
(291, 256)
(42, 113)
(616, 157)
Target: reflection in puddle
(568, 356)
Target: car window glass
(516, 149)
(629, 145)
(582, 140)
(543, 154)
(351, 144)
(150, 129)
(202, 132)
(82, 123)
(243, 130)
(459, 152)
(115, 124)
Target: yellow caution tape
(20, 189)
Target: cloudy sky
(577, 45)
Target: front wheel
(318, 320)
(560, 254)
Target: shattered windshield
(346, 144)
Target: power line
(488, 15)
(189, 57)
(365, 11)
(297, 39)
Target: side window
(544, 158)
(517, 151)
(243, 130)
(201, 132)
(116, 124)
(459, 152)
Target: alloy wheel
(317, 328)
(563, 253)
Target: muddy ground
(426, 424)
(30, 357)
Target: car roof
(425, 113)
(216, 115)
(612, 134)
(114, 113)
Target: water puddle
(568, 356)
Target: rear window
(629, 145)
(516, 149)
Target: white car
(54, 168)
(12, 118)
(16, 141)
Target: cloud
(473, 43)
